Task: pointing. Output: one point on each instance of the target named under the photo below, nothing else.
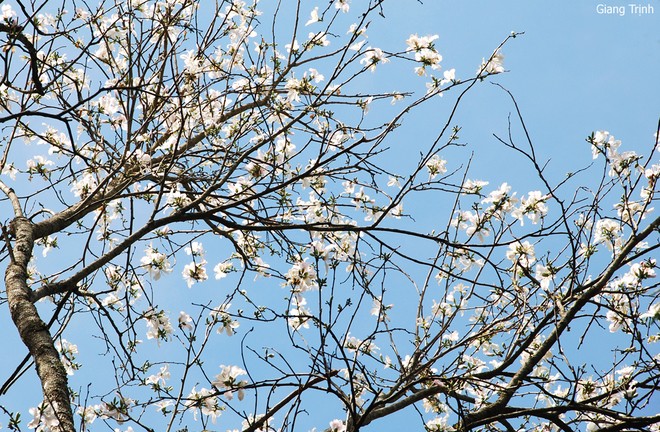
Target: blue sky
(572, 72)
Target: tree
(179, 139)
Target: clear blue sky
(573, 71)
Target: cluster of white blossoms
(533, 206)
(299, 314)
(7, 13)
(436, 166)
(156, 262)
(43, 418)
(159, 379)
(439, 424)
(337, 425)
(301, 276)
(158, 324)
(373, 57)
(203, 400)
(618, 302)
(195, 271)
(497, 205)
(603, 143)
(220, 316)
(609, 232)
(39, 165)
(68, 353)
(521, 255)
(227, 380)
(358, 346)
(425, 52)
(494, 65)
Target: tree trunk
(33, 330)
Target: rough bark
(33, 330)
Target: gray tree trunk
(33, 330)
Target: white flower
(521, 254)
(159, 379)
(227, 324)
(533, 206)
(355, 345)
(318, 39)
(185, 321)
(82, 187)
(620, 163)
(494, 65)
(222, 269)
(342, 5)
(436, 166)
(616, 321)
(87, 413)
(204, 400)
(68, 353)
(10, 170)
(176, 198)
(49, 243)
(438, 424)
(158, 324)
(545, 275)
(301, 276)
(417, 43)
(143, 159)
(226, 379)
(292, 47)
(314, 17)
(44, 418)
(322, 251)
(196, 249)
(108, 105)
(448, 76)
(427, 57)
(155, 262)
(39, 165)
(194, 272)
(473, 186)
(337, 425)
(608, 231)
(298, 314)
(653, 313)
(372, 57)
(604, 143)
(163, 406)
(394, 181)
(7, 12)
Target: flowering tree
(228, 152)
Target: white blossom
(372, 57)
(436, 166)
(494, 65)
(227, 380)
(313, 17)
(342, 5)
(155, 262)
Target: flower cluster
(425, 52)
(195, 271)
(158, 324)
(227, 380)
